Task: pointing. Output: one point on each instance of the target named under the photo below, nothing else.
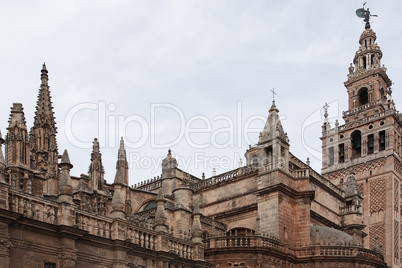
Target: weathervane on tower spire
(326, 106)
(365, 14)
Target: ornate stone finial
(44, 67)
(95, 146)
(169, 162)
(351, 68)
(65, 183)
(273, 107)
(213, 227)
(65, 160)
(308, 161)
(213, 172)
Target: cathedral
(274, 211)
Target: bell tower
(369, 146)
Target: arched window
(150, 205)
(356, 138)
(363, 96)
(255, 160)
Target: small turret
(184, 195)
(273, 145)
(169, 168)
(353, 209)
(65, 183)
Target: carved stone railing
(269, 243)
(243, 241)
(143, 238)
(210, 221)
(309, 172)
(33, 207)
(227, 176)
(150, 184)
(181, 248)
(362, 107)
(326, 182)
(301, 173)
(139, 233)
(341, 251)
(94, 225)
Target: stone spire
(2, 161)
(43, 141)
(65, 183)
(273, 127)
(121, 165)
(17, 140)
(273, 144)
(196, 229)
(120, 181)
(96, 171)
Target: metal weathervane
(273, 94)
(365, 14)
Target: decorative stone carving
(66, 259)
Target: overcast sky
(186, 75)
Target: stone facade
(275, 211)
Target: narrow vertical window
(331, 155)
(381, 140)
(341, 153)
(370, 144)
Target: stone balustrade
(94, 225)
(139, 233)
(181, 248)
(270, 243)
(33, 207)
(227, 176)
(142, 237)
(243, 241)
(150, 184)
